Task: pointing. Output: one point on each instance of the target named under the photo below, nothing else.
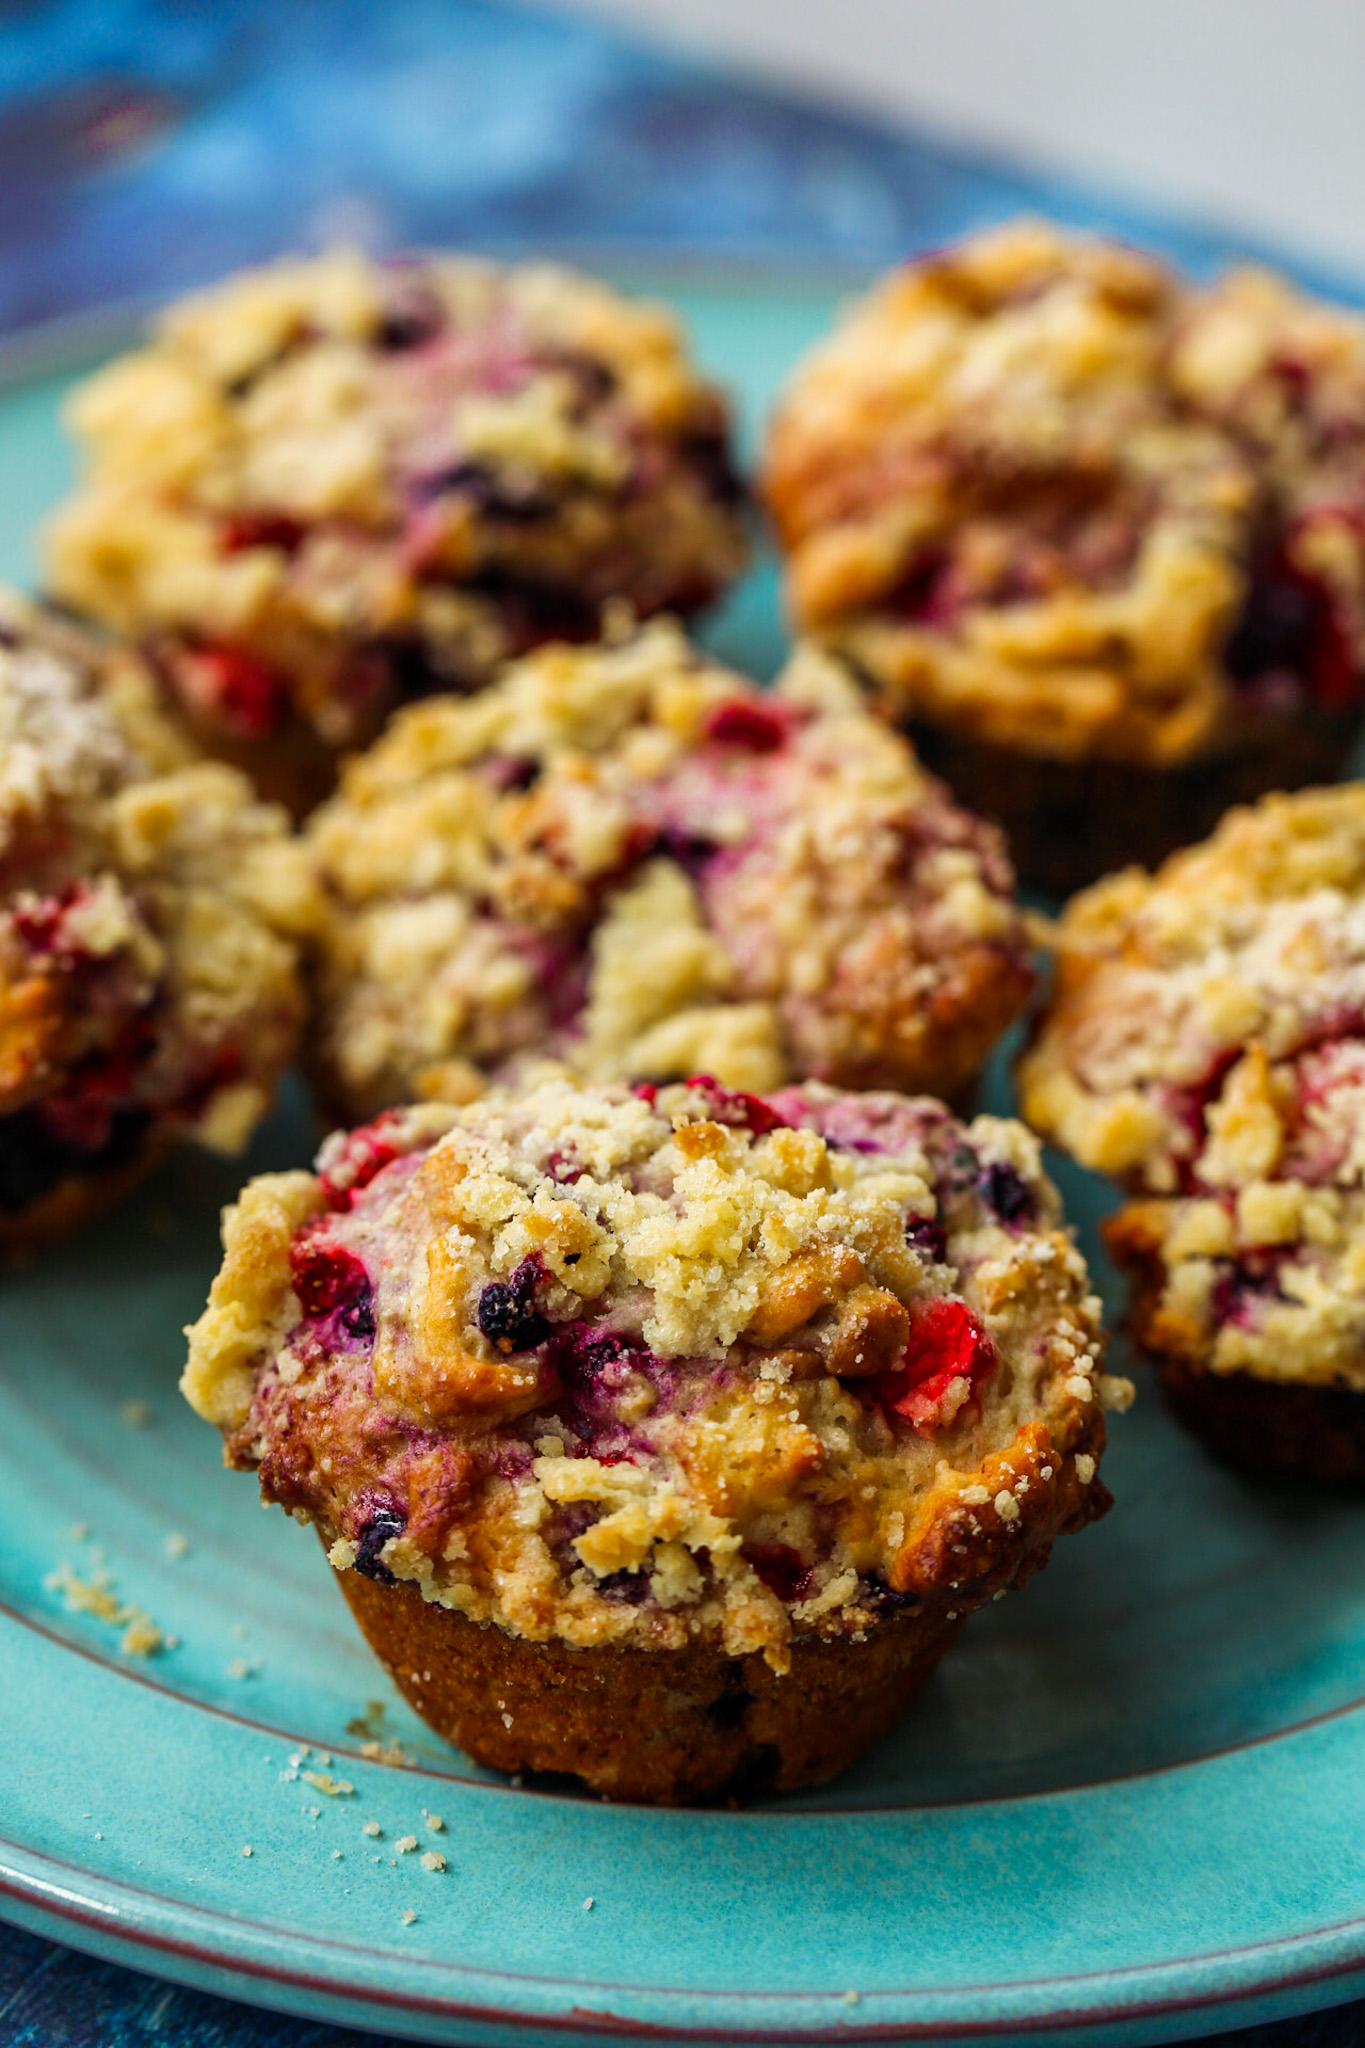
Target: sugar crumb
(247, 1849)
(588, 1904)
(177, 1546)
(434, 1822)
(405, 1843)
(432, 1859)
(372, 1827)
(408, 1916)
(323, 1781)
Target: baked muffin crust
(639, 1369)
(626, 858)
(1047, 494)
(330, 484)
(1206, 1046)
(149, 916)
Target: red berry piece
(326, 1276)
(947, 1342)
(366, 1153)
(757, 728)
(783, 1570)
(261, 530)
(733, 1106)
(231, 688)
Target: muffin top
(329, 478)
(1206, 1044)
(1046, 492)
(149, 909)
(614, 1365)
(627, 858)
(1201, 1011)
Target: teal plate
(1131, 1804)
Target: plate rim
(98, 1925)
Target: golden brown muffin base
(1266, 1426)
(664, 1726)
(1069, 822)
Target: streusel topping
(1206, 1043)
(149, 917)
(1044, 491)
(329, 484)
(626, 858)
(616, 1365)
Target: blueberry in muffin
(665, 1437)
(1205, 1045)
(329, 485)
(627, 859)
(1096, 532)
(150, 909)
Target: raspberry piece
(732, 1106)
(260, 530)
(947, 1342)
(783, 1570)
(39, 921)
(366, 1153)
(231, 688)
(757, 728)
(327, 1277)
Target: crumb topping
(1040, 488)
(628, 859)
(149, 917)
(328, 484)
(1206, 1045)
(755, 1366)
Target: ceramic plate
(1130, 1804)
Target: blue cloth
(149, 145)
(146, 145)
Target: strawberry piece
(947, 1342)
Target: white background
(1251, 112)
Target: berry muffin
(1206, 1046)
(1097, 533)
(627, 859)
(149, 910)
(663, 1437)
(329, 485)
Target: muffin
(149, 913)
(1096, 533)
(663, 1437)
(628, 860)
(1206, 1047)
(329, 485)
